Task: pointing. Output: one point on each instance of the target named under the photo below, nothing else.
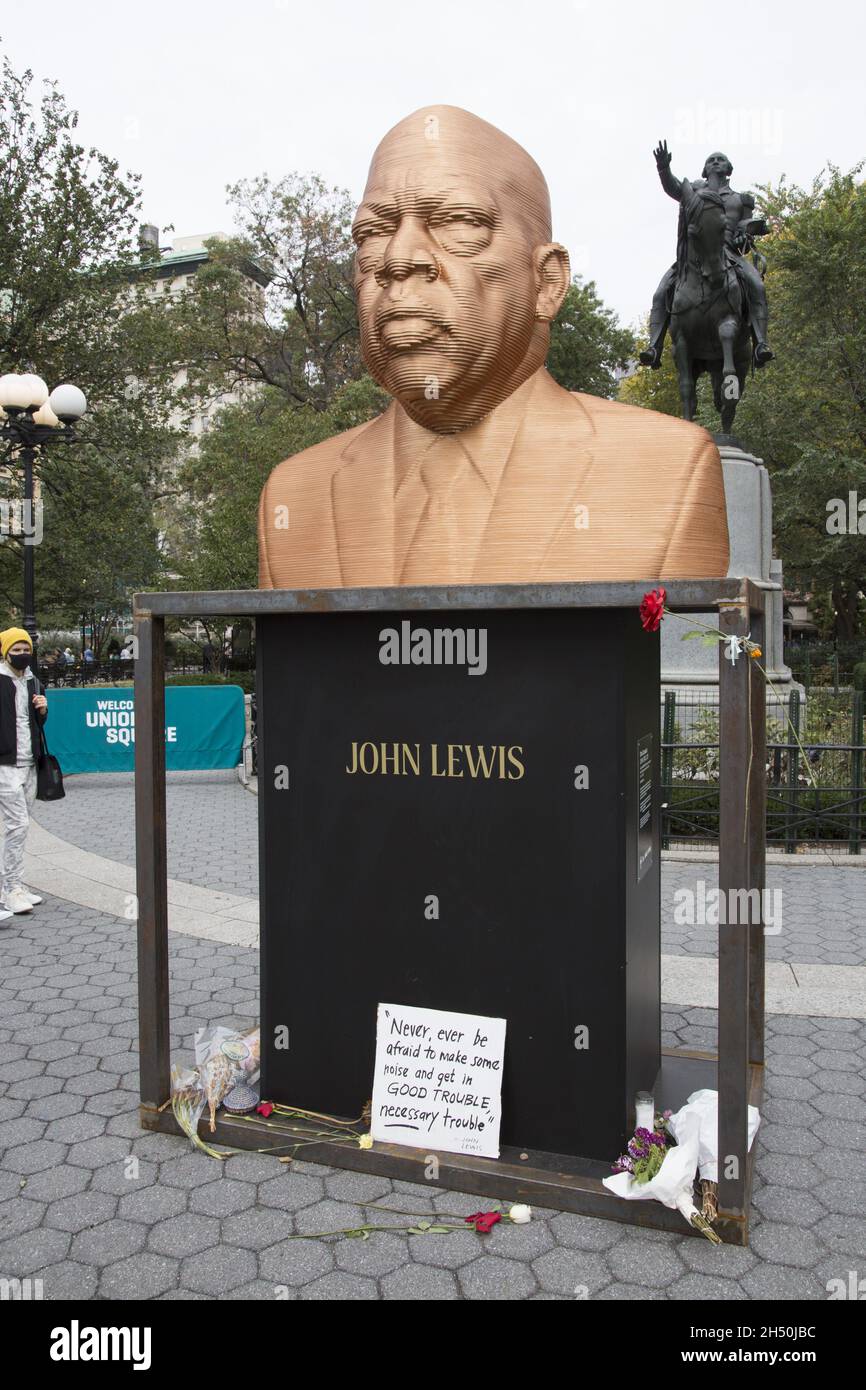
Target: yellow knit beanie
(10, 636)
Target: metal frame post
(151, 861)
(742, 817)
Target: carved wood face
(455, 275)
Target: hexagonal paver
(704, 1287)
(357, 1187)
(35, 1157)
(139, 1277)
(218, 1269)
(53, 1183)
(374, 1257)
(257, 1229)
(223, 1198)
(18, 1215)
(122, 1178)
(68, 1281)
(296, 1262)
(191, 1170)
(447, 1252)
(726, 1262)
(21, 1131)
(113, 1240)
(584, 1232)
(75, 1129)
(772, 1281)
(421, 1283)
(96, 1153)
(32, 1250)
(184, 1235)
(54, 1107)
(519, 1242)
(572, 1273)
(80, 1212)
(496, 1279)
(152, 1204)
(788, 1204)
(340, 1287)
(653, 1264)
(787, 1245)
(328, 1216)
(634, 1293)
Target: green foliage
(806, 412)
(659, 390)
(587, 343)
(224, 479)
(300, 337)
(70, 312)
(245, 679)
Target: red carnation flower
(652, 607)
(266, 1108)
(483, 1221)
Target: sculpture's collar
(488, 443)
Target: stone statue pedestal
(690, 666)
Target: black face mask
(20, 660)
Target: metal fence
(816, 798)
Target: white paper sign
(438, 1080)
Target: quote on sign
(438, 1080)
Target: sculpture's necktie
(434, 555)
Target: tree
(806, 412)
(71, 310)
(224, 478)
(587, 344)
(824, 536)
(299, 337)
(659, 390)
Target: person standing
(23, 710)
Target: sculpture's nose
(410, 251)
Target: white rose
(520, 1215)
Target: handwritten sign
(438, 1080)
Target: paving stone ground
(97, 1209)
(212, 842)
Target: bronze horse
(710, 329)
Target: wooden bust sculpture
(482, 469)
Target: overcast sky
(198, 94)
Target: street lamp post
(30, 418)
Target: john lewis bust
(482, 469)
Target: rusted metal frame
(742, 805)
(686, 594)
(757, 837)
(151, 861)
(740, 1015)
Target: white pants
(17, 793)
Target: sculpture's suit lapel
(362, 498)
(532, 504)
(550, 460)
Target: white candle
(644, 1111)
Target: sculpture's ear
(553, 276)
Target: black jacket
(8, 724)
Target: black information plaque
(438, 834)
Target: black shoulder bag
(49, 776)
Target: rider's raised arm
(669, 182)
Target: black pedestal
(459, 867)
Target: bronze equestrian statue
(713, 297)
